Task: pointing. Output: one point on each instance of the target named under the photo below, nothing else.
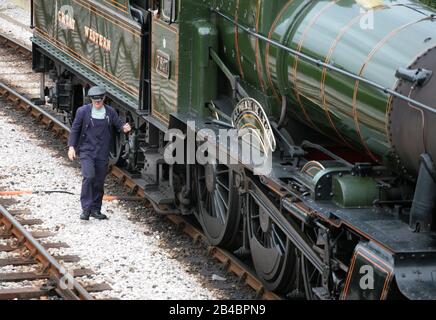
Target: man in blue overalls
(91, 136)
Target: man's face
(98, 102)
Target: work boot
(85, 215)
(98, 215)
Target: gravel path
(10, 14)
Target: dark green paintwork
(121, 6)
(430, 3)
(164, 89)
(355, 192)
(119, 67)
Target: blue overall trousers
(94, 158)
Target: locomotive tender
(342, 91)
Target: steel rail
(328, 66)
(67, 286)
(35, 107)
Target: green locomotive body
(105, 46)
(354, 76)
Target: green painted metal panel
(164, 69)
(107, 44)
(355, 192)
(204, 79)
(122, 6)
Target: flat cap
(97, 91)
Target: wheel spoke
(272, 254)
(313, 274)
(221, 212)
(223, 185)
(218, 173)
(218, 213)
(213, 209)
(224, 201)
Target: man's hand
(72, 154)
(127, 128)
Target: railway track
(230, 262)
(59, 282)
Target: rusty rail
(66, 286)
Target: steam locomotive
(341, 94)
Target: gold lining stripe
(350, 273)
(81, 59)
(270, 34)
(257, 53)
(157, 114)
(249, 115)
(300, 45)
(249, 125)
(238, 52)
(154, 111)
(165, 25)
(378, 46)
(387, 118)
(387, 269)
(123, 25)
(106, 16)
(117, 5)
(423, 122)
(161, 117)
(324, 74)
(59, 45)
(389, 104)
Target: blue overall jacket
(81, 129)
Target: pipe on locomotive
(329, 66)
(32, 26)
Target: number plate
(163, 64)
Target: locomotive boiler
(341, 92)
(389, 43)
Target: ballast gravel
(15, 21)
